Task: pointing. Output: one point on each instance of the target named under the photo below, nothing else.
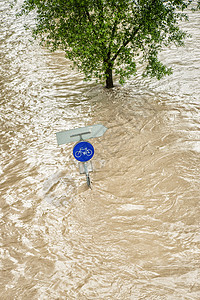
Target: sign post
(83, 151)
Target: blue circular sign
(83, 151)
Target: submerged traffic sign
(83, 151)
(78, 134)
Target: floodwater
(135, 235)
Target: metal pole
(87, 175)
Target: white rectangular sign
(78, 134)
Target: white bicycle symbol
(83, 151)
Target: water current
(135, 235)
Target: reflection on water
(135, 235)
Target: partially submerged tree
(100, 36)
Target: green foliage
(103, 35)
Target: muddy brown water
(135, 235)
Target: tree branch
(113, 34)
(125, 43)
(90, 20)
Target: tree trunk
(109, 78)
